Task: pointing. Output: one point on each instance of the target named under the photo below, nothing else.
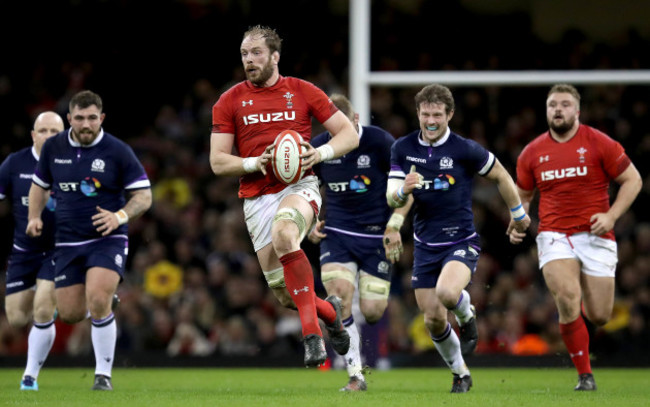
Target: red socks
(576, 339)
(299, 278)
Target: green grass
(310, 388)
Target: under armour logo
(108, 360)
(543, 158)
(249, 102)
(573, 355)
(305, 289)
(40, 362)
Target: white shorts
(259, 211)
(597, 255)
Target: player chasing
(435, 167)
(572, 166)
(89, 172)
(350, 237)
(30, 272)
(248, 117)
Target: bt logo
(357, 184)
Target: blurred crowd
(194, 286)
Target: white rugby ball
(286, 163)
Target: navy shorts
(429, 261)
(72, 262)
(25, 267)
(367, 252)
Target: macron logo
(62, 161)
(416, 160)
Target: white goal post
(362, 78)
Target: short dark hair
(565, 88)
(435, 93)
(343, 104)
(271, 37)
(85, 99)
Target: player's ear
(275, 57)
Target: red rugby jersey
(572, 177)
(256, 115)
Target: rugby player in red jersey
(572, 166)
(249, 116)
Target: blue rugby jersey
(16, 174)
(84, 177)
(355, 184)
(443, 207)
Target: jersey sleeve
(525, 176)
(319, 103)
(222, 115)
(387, 142)
(135, 177)
(42, 174)
(614, 158)
(482, 159)
(5, 177)
(396, 162)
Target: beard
(259, 78)
(563, 127)
(85, 137)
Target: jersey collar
(34, 153)
(440, 142)
(77, 144)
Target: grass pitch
(160, 387)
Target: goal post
(362, 78)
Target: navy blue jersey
(355, 183)
(84, 177)
(443, 206)
(16, 175)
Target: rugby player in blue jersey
(352, 234)
(30, 272)
(89, 171)
(436, 167)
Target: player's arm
(392, 237)
(399, 190)
(630, 185)
(515, 236)
(223, 162)
(519, 219)
(344, 139)
(139, 202)
(38, 197)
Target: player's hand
(265, 158)
(516, 230)
(310, 156)
(413, 180)
(601, 223)
(393, 245)
(316, 234)
(105, 221)
(34, 227)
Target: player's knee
(72, 317)
(373, 310)
(286, 300)
(284, 237)
(43, 312)
(18, 318)
(598, 318)
(448, 298)
(373, 316)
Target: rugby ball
(286, 162)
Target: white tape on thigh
(275, 278)
(294, 216)
(373, 288)
(341, 274)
